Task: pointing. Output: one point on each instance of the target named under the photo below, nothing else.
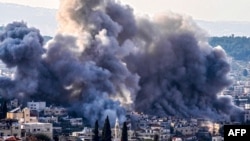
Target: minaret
(117, 129)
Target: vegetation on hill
(237, 47)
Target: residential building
(41, 128)
(50, 119)
(217, 138)
(85, 135)
(247, 106)
(36, 106)
(76, 121)
(247, 115)
(10, 127)
(186, 129)
(176, 139)
(23, 116)
(55, 111)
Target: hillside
(237, 47)
(45, 20)
(41, 18)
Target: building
(76, 121)
(247, 106)
(85, 135)
(36, 106)
(38, 128)
(55, 111)
(23, 116)
(186, 130)
(176, 139)
(217, 138)
(51, 119)
(10, 128)
(247, 115)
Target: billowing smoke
(21, 47)
(105, 60)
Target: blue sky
(209, 10)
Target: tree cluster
(3, 110)
(106, 132)
(237, 47)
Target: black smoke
(21, 48)
(105, 60)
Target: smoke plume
(105, 60)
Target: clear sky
(210, 10)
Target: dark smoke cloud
(21, 47)
(105, 60)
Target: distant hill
(41, 18)
(237, 47)
(45, 20)
(225, 28)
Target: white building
(247, 106)
(37, 106)
(217, 138)
(38, 128)
(76, 121)
(49, 119)
(85, 135)
(176, 139)
(56, 111)
(238, 89)
(247, 115)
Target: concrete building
(247, 115)
(23, 116)
(36, 106)
(217, 138)
(76, 121)
(51, 119)
(38, 128)
(10, 128)
(55, 111)
(176, 139)
(247, 106)
(186, 130)
(85, 135)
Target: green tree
(221, 131)
(106, 132)
(171, 129)
(96, 131)
(124, 132)
(245, 72)
(4, 110)
(156, 137)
